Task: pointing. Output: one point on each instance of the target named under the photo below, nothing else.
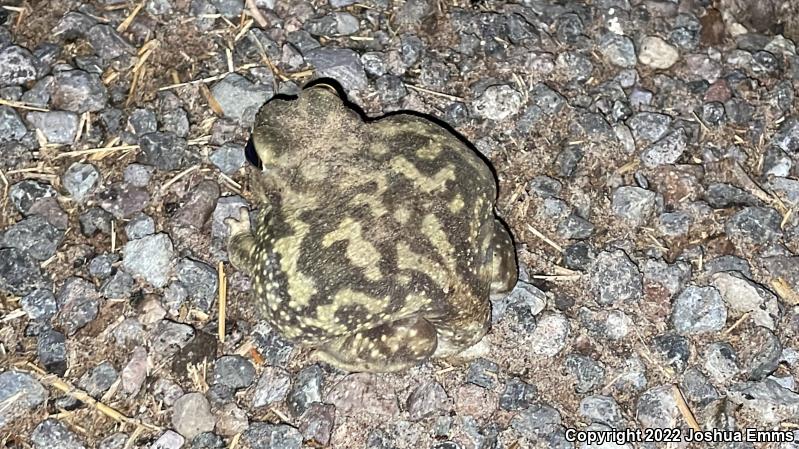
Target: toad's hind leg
(241, 242)
(389, 347)
(504, 270)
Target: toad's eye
(252, 155)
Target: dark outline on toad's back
(378, 242)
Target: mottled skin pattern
(376, 242)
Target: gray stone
(138, 175)
(537, 421)
(17, 66)
(657, 53)
(787, 136)
(517, 395)
(101, 266)
(588, 372)
(198, 205)
(760, 352)
(697, 387)
(483, 373)
(164, 150)
(721, 362)
(240, 99)
(79, 304)
(58, 127)
(11, 126)
(672, 350)
(754, 226)
(744, 296)
(341, 64)
(118, 286)
(550, 335)
(33, 235)
(20, 393)
(667, 150)
(649, 126)
(229, 8)
(273, 386)
(169, 439)
(39, 305)
(226, 207)
(192, 415)
(306, 390)
(95, 220)
(98, 380)
(139, 226)
(767, 400)
(657, 407)
(79, 180)
(20, 273)
(633, 205)
(175, 121)
(316, 424)
(233, 371)
(228, 158)
(602, 409)
(79, 91)
(142, 121)
(427, 399)
(200, 280)
(52, 434)
(149, 258)
(698, 310)
(123, 200)
(107, 43)
(497, 103)
(617, 278)
(272, 436)
(721, 195)
(618, 50)
(51, 349)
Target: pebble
(427, 399)
(228, 158)
(139, 226)
(122, 200)
(138, 175)
(754, 226)
(667, 150)
(272, 436)
(550, 335)
(33, 235)
(192, 415)
(52, 351)
(168, 440)
(107, 43)
(17, 66)
(316, 424)
(39, 305)
(588, 372)
(672, 350)
(305, 390)
(19, 272)
(603, 410)
(521, 305)
(164, 150)
(207, 440)
(649, 126)
(657, 53)
(79, 91)
(656, 407)
(760, 353)
(617, 49)
(721, 195)
(142, 121)
(272, 387)
(11, 126)
(517, 395)
(721, 362)
(697, 387)
(135, 372)
(198, 204)
(497, 103)
(27, 394)
(698, 310)
(239, 98)
(98, 380)
(474, 401)
(149, 258)
(483, 373)
(233, 371)
(232, 420)
(229, 8)
(633, 205)
(787, 136)
(765, 399)
(200, 280)
(80, 303)
(342, 64)
(95, 220)
(744, 296)
(363, 393)
(175, 121)
(58, 127)
(539, 421)
(617, 277)
(80, 180)
(52, 434)
(119, 286)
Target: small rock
(754, 226)
(698, 310)
(17, 66)
(142, 121)
(51, 350)
(107, 43)
(58, 127)
(232, 420)
(20, 273)
(11, 126)
(239, 98)
(80, 303)
(657, 408)
(316, 424)
(192, 415)
(497, 103)
(787, 136)
(538, 422)
(139, 226)
(363, 393)
(34, 235)
(118, 286)
(165, 150)
(589, 373)
(744, 296)
(98, 380)
(665, 151)
(169, 440)
(149, 258)
(672, 350)
(617, 277)
(306, 390)
(760, 352)
(200, 280)
(27, 394)
(138, 175)
(483, 373)
(52, 434)
(657, 53)
(39, 305)
(602, 409)
(633, 204)
(649, 126)
(135, 372)
(272, 436)
(767, 400)
(207, 440)
(95, 220)
(79, 180)
(341, 64)
(721, 362)
(697, 387)
(233, 371)
(79, 91)
(229, 8)
(123, 200)
(617, 49)
(475, 401)
(517, 395)
(272, 387)
(229, 158)
(226, 207)
(427, 399)
(721, 195)
(550, 335)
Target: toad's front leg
(241, 242)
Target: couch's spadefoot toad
(376, 241)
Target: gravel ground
(648, 157)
